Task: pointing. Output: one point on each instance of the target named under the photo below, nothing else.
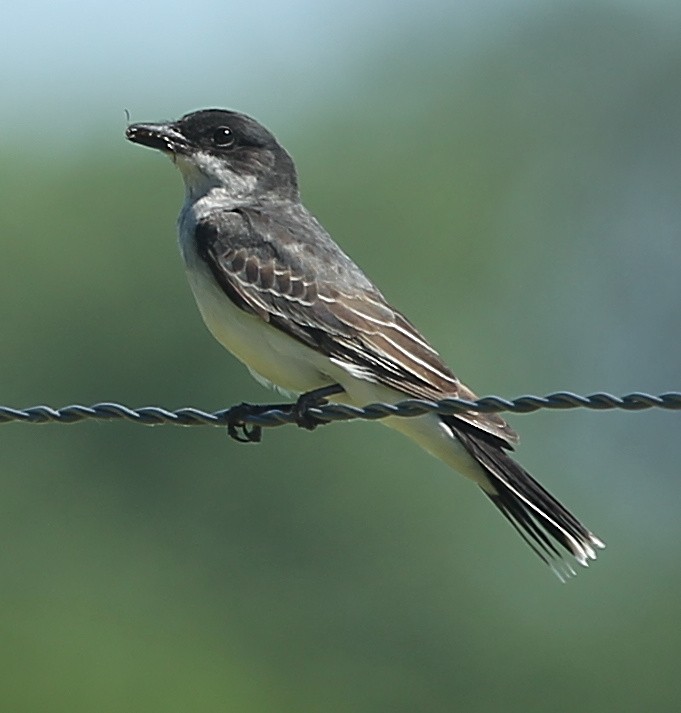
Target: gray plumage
(278, 292)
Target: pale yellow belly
(273, 356)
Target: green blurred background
(520, 163)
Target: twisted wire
(156, 415)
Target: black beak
(163, 137)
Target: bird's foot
(239, 429)
(313, 399)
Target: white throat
(204, 174)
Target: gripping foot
(240, 430)
(312, 399)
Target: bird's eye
(223, 136)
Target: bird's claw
(238, 429)
(303, 417)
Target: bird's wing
(265, 269)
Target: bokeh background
(508, 172)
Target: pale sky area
(67, 62)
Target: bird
(279, 293)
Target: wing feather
(318, 296)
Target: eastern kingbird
(276, 291)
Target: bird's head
(216, 148)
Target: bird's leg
(239, 430)
(313, 399)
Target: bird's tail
(537, 516)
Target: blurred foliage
(520, 203)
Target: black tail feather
(535, 514)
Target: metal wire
(155, 415)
